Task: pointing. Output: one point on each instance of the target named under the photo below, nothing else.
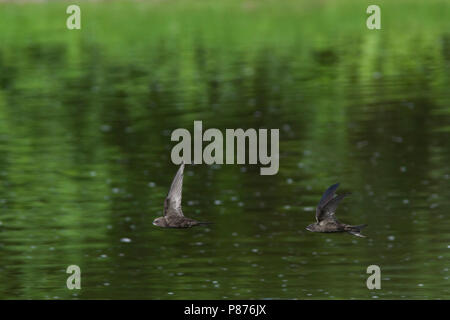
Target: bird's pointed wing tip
(332, 188)
(177, 183)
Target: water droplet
(361, 144)
(105, 128)
(377, 75)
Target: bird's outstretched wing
(326, 197)
(322, 210)
(172, 204)
(330, 208)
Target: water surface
(85, 123)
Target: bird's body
(326, 220)
(173, 216)
(177, 222)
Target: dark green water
(85, 163)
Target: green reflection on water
(85, 123)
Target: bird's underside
(182, 222)
(330, 225)
(335, 226)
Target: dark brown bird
(173, 216)
(325, 215)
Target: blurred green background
(85, 123)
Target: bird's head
(312, 227)
(160, 222)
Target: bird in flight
(173, 216)
(325, 215)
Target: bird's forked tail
(203, 223)
(356, 230)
